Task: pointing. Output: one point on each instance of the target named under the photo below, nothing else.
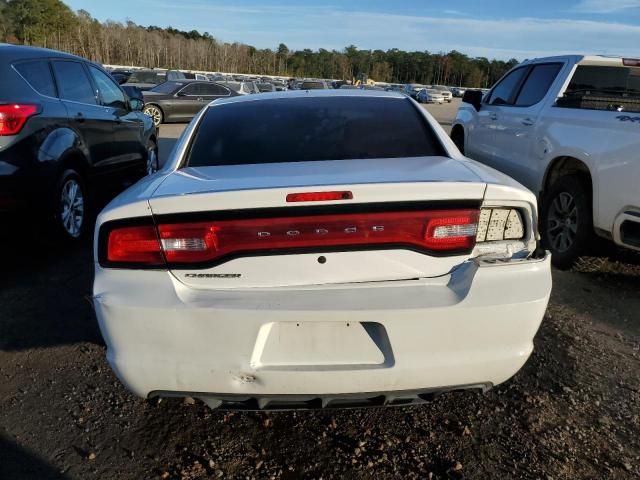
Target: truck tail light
(13, 116)
(444, 232)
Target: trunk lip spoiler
(310, 210)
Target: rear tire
(71, 214)
(567, 220)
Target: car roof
(291, 94)
(580, 58)
(19, 52)
(149, 70)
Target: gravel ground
(572, 412)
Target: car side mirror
(136, 104)
(181, 94)
(473, 97)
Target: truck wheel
(457, 135)
(567, 220)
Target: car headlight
(497, 224)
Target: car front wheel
(155, 113)
(567, 220)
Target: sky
(499, 29)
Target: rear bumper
(626, 228)
(24, 191)
(471, 329)
(14, 194)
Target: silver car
(428, 95)
(446, 93)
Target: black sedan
(179, 101)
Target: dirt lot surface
(572, 412)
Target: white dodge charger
(318, 249)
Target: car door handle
(527, 122)
(79, 117)
(200, 99)
(493, 116)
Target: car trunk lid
(343, 239)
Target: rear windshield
(600, 79)
(312, 86)
(595, 87)
(147, 77)
(309, 129)
(167, 87)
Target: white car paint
(525, 142)
(394, 323)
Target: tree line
(52, 24)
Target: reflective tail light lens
(455, 231)
(207, 242)
(496, 224)
(134, 245)
(13, 116)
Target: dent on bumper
(472, 327)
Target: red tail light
(631, 62)
(138, 245)
(445, 231)
(13, 117)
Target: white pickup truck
(568, 128)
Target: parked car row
(427, 93)
(179, 101)
(147, 79)
(68, 135)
